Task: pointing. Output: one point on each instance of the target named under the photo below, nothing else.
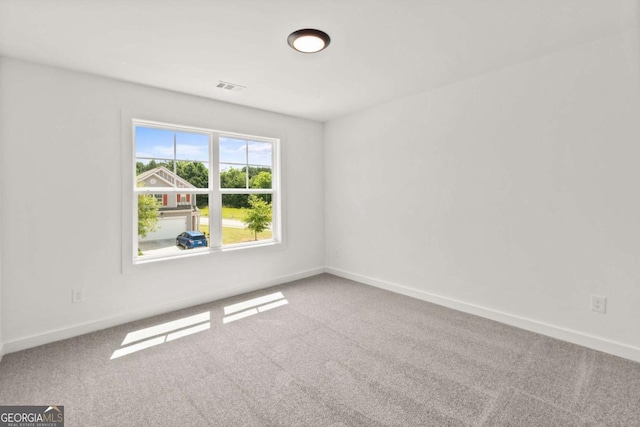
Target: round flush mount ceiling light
(308, 40)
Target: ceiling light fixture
(308, 40)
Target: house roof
(167, 176)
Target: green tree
(258, 216)
(193, 172)
(196, 174)
(234, 178)
(253, 170)
(141, 167)
(148, 212)
(261, 180)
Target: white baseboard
(85, 328)
(575, 337)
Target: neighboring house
(178, 212)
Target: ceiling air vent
(230, 86)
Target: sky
(158, 144)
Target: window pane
(163, 218)
(180, 174)
(233, 151)
(232, 176)
(260, 153)
(152, 173)
(155, 173)
(246, 218)
(154, 143)
(192, 174)
(202, 222)
(259, 177)
(192, 146)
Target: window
(219, 188)
(245, 184)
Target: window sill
(196, 252)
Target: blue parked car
(191, 239)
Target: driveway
(160, 247)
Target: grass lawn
(237, 235)
(233, 213)
(232, 235)
(227, 213)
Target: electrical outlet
(598, 303)
(77, 295)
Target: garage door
(168, 228)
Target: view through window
(197, 190)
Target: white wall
(61, 142)
(514, 194)
(2, 189)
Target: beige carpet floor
(324, 352)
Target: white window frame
(213, 191)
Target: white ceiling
(380, 49)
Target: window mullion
(173, 190)
(215, 199)
(246, 149)
(246, 191)
(175, 155)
